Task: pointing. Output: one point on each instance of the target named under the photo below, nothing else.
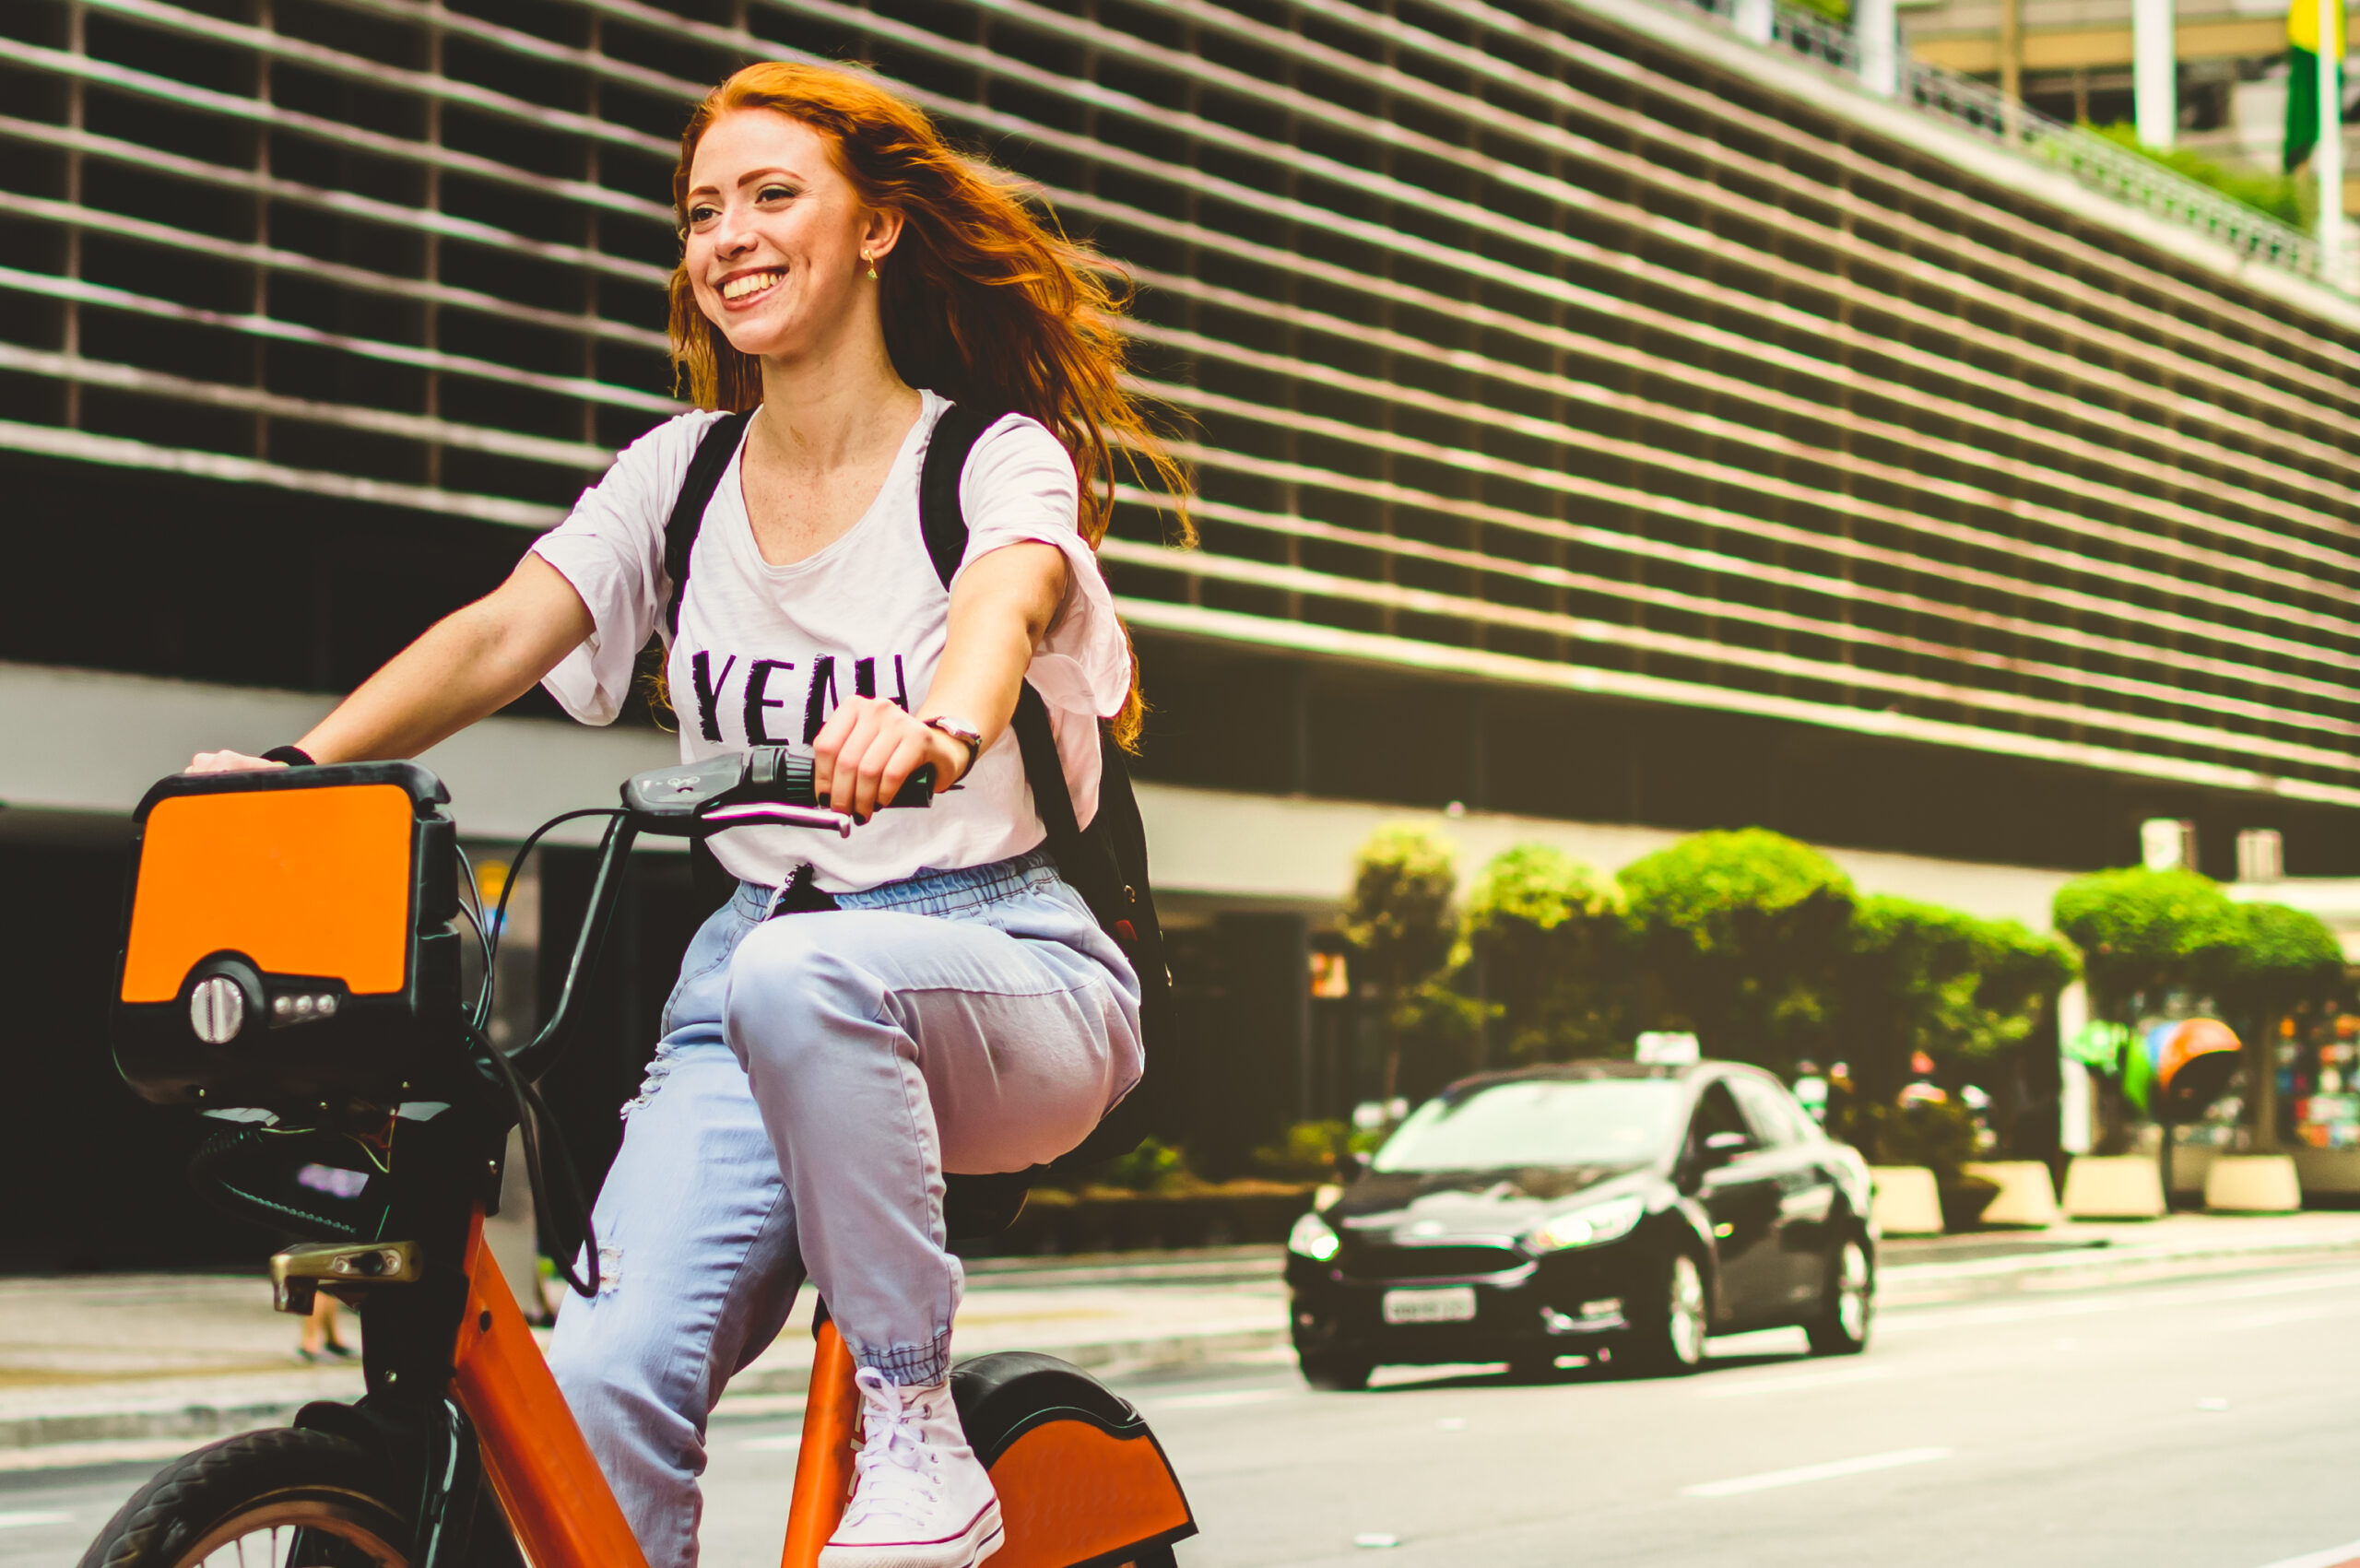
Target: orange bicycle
(292, 964)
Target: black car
(1563, 1210)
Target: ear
(879, 232)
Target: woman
(958, 1009)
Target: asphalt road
(2198, 1424)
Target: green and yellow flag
(2302, 77)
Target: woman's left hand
(868, 747)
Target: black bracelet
(293, 756)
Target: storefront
(2318, 1056)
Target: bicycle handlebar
(767, 786)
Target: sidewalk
(133, 1360)
(103, 1367)
(2085, 1255)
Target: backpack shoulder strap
(941, 517)
(943, 521)
(714, 452)
(1107, 863)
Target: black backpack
(1106, 862)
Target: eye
(769, 194)
(703, 215)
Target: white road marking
(1219, 1399)
(32, 1516)
(1804, 1474)
(1805, 1380)
(2333, 1557)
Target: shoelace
(889, 1436)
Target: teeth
(752, 283)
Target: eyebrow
(745, 180)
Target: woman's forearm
(999, 615)
(468, 665)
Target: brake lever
(743, 789)
(772, 814)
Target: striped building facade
(1596, 420)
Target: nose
(733, 235)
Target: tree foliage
(2279, 959)
(1741, 935)
(1549, 931)
(1399, 914)
(2282, 961)
(2143, 932)
(1921, 977)
(1400, 921)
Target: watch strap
(961, 732)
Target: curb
(139, 1423)
(2094, 1267)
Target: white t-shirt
(764, 653)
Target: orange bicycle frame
(550, 1485)
(548, 1482)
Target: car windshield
(1534, 1122)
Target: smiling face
(776, 235)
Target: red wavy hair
(981, 301)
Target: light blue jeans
(817, 1074)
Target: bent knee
(786, 978)
(608, 1385)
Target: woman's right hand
(227, 762)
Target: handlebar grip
(774, 772)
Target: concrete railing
(1873, 56)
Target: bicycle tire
(328, 1489)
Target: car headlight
(1588, 1227)
(1314, 1238)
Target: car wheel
(1336, 1374)
(1666, 1338)
(1848, 1305)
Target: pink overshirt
(765, 653)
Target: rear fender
(1083, 1482)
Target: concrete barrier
(2252, 1183)
(2027, 1194)
(2114, 1186)
(1906, 1201)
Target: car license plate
(1451, 1304)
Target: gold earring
(872, 265)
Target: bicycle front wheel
(285, 1498)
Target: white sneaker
(920, 1499)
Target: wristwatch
(962, 732)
